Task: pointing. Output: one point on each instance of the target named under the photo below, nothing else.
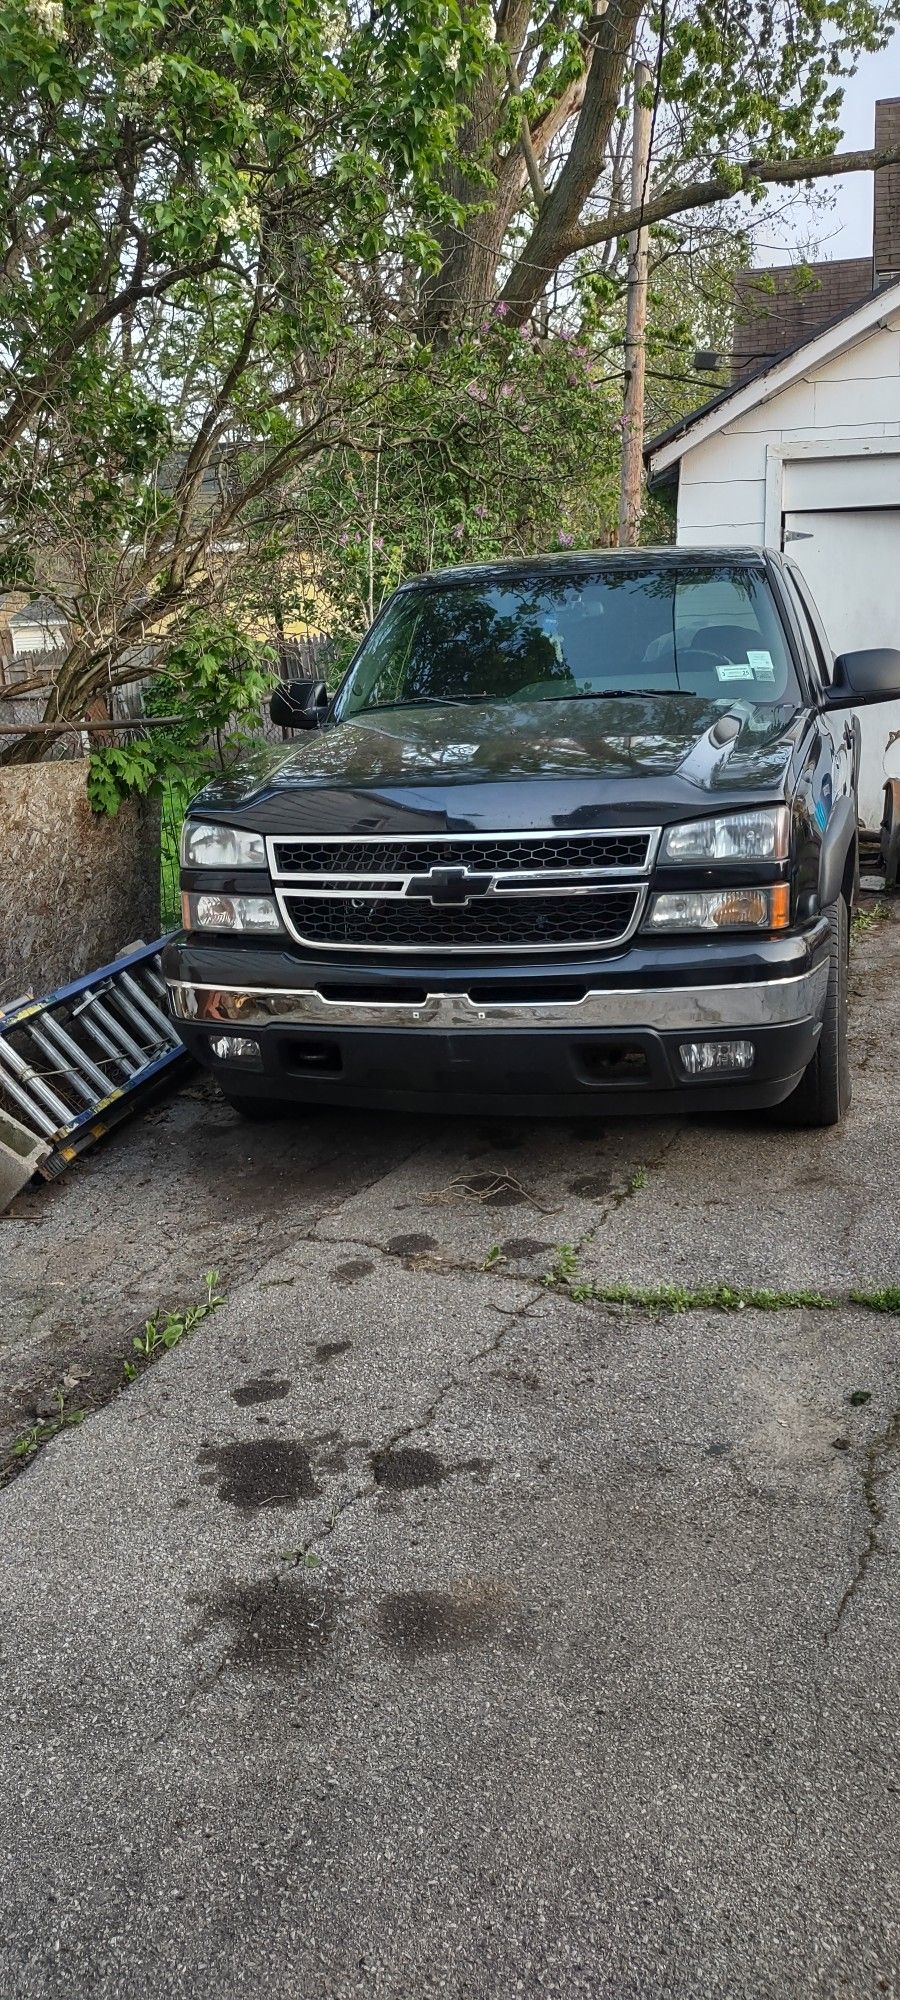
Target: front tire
(823, 1094)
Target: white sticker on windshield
(730, 671)
(762, 665)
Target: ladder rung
(92, 1008)
(15, 1064)
(66, 1045)
(73, 1073)
(158, 1019)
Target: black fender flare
(837, 840)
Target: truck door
(851, 561)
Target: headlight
(212, 912)
(722, 909)
(760, 835)
(206, 846)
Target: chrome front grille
(623, 851)
(486, 893)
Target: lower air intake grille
(487, 923)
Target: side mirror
(872, 675)
(298, 704)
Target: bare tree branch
(704, 194)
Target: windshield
(712, 631)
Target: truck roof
(581, 562)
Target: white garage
(804, 455)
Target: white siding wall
(722, 484)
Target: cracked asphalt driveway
(417, 1628)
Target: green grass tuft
(885, 1301)
(708, 1298)
(563, 1273)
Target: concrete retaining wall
(74, 886)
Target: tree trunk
(562, 210)
(464, 286)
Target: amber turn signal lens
(760, 908)
(742, 906)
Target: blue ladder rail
(75, 1061)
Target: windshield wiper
(614, 694)
(425, 701)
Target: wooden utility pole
(631, 488)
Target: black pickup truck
(574, 834)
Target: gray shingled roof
(685, 424)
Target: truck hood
(490, 766)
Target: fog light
(715, 1058)
(236, 1048)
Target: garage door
(851, 560)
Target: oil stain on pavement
(406, 1468)
(277, 1629)
(259, 1389)
(413, 1623)
(260, 1472)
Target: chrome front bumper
(768, 1003)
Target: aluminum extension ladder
(71, 1064)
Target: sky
(844, 228)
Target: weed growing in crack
(494, 1257)
(45, 1428)
(563, 1274)
(865, 920)
(887, 1300)
(710, 1298)
(167, 1328)
(564, 1266)
(638, 1179)
(160, 1334)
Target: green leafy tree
(691, 305)
(263, 264)
(195, 200)
(746, 95)
(209, 694)
(505, 445)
